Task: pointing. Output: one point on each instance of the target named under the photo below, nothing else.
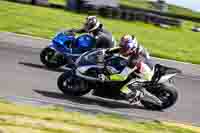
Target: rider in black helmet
(104, 39)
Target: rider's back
(104, 39)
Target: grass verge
(176, 43)
(59, 2)
(23, 118)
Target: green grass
(59, 2)
(144, 4)
(176, 43)
(23, 119)
(137, 3)
(183, 11)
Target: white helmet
(91, 23)
(128, 42)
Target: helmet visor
(127, 45)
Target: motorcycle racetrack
(23, 76)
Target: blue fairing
(71, 46)
(85, 41)
(59, 42)
(61, 38)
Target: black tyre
(69, 84)
(46, 56)
(167, 93)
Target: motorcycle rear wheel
(167, 94)
(69, 84)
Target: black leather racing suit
(104, 38)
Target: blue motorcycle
(65, 47)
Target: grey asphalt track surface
(22, 75)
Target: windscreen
(89, 58)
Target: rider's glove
(70, 32)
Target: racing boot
(133, 97)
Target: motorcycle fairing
(84, 69)
(63, 39)
(85, 41)
(71, 46)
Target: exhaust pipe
(151, 98)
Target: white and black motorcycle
(86, 75)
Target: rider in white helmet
(104, 39)
(138, 62)
(130, 46)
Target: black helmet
(91, 23)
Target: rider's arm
(145, 54)
(113, 50)
(75, 31)
(79, 30)
(143, 51)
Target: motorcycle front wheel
(167, 93)
(49, 58)
(69, 84)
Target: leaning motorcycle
(158, 94)
(65, 48)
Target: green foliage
(137, 3)
(18, 118)
(144, 4)
(176, 43)
(59, 2)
